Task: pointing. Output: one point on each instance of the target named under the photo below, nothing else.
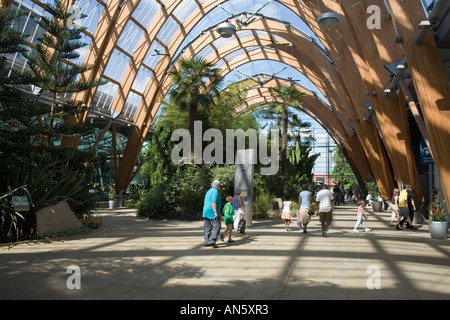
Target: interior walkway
(131, 258)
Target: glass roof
(141, 31)
(147, 13)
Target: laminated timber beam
(108, 31)
(377, 48)
(304, 55)
(355, 71)
(430, 82)
(345, 51)
(282, 30)
(315, 108)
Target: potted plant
(112, 198)
(377, 205)
(438, 219)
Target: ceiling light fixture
(226, 29)
(328, 20)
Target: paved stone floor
(132, 258)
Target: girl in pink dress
(286, 213)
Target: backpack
(403, 198)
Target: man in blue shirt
(211, 214)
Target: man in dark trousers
(211, 215)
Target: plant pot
(112, 204)
(377, 206)
(438, 230)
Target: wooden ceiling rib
(351, 77)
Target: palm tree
(300, 131)
(194, 85)
(290, 97)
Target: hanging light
(226, 29)
(328, 20)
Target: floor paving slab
(134, 258)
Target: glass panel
(428, 5)
(93, 10)
(117, 65)
(234, 54)
(270, 9)
(154, 54)
(131, 106)
(261, 33)
(28, 25)
(142, 79)
(219, 64)
(208, 50)
(184, 9)
(105, 95)
(84, 50)
(167, 31)
(130, 37)
(146, 11)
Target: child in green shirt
(228, 212)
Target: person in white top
(304, 201)
(324, 198)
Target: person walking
(393, 206)
(286, 213)
(405, 205)
(238, 206)
(360, 218)
(411, 205)
(228, 213)
(304, 201)
(211, 215)
(324, 198)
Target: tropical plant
(50, 180)
(343, 173)
(299, 167)
(194, 85)
(290, 96)
(10, 217)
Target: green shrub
(262, 204)
(154, 205)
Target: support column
(244, 171)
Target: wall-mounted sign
(425, 154)
(21, 203)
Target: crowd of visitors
(402, 206)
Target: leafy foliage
(177, 191)
(29, 129)
(344, 174)
(437, 210)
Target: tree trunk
(50, 129)
(193, 116)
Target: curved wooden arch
(315, 108)
(375, 162)
(321, 69)
(358, 56)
